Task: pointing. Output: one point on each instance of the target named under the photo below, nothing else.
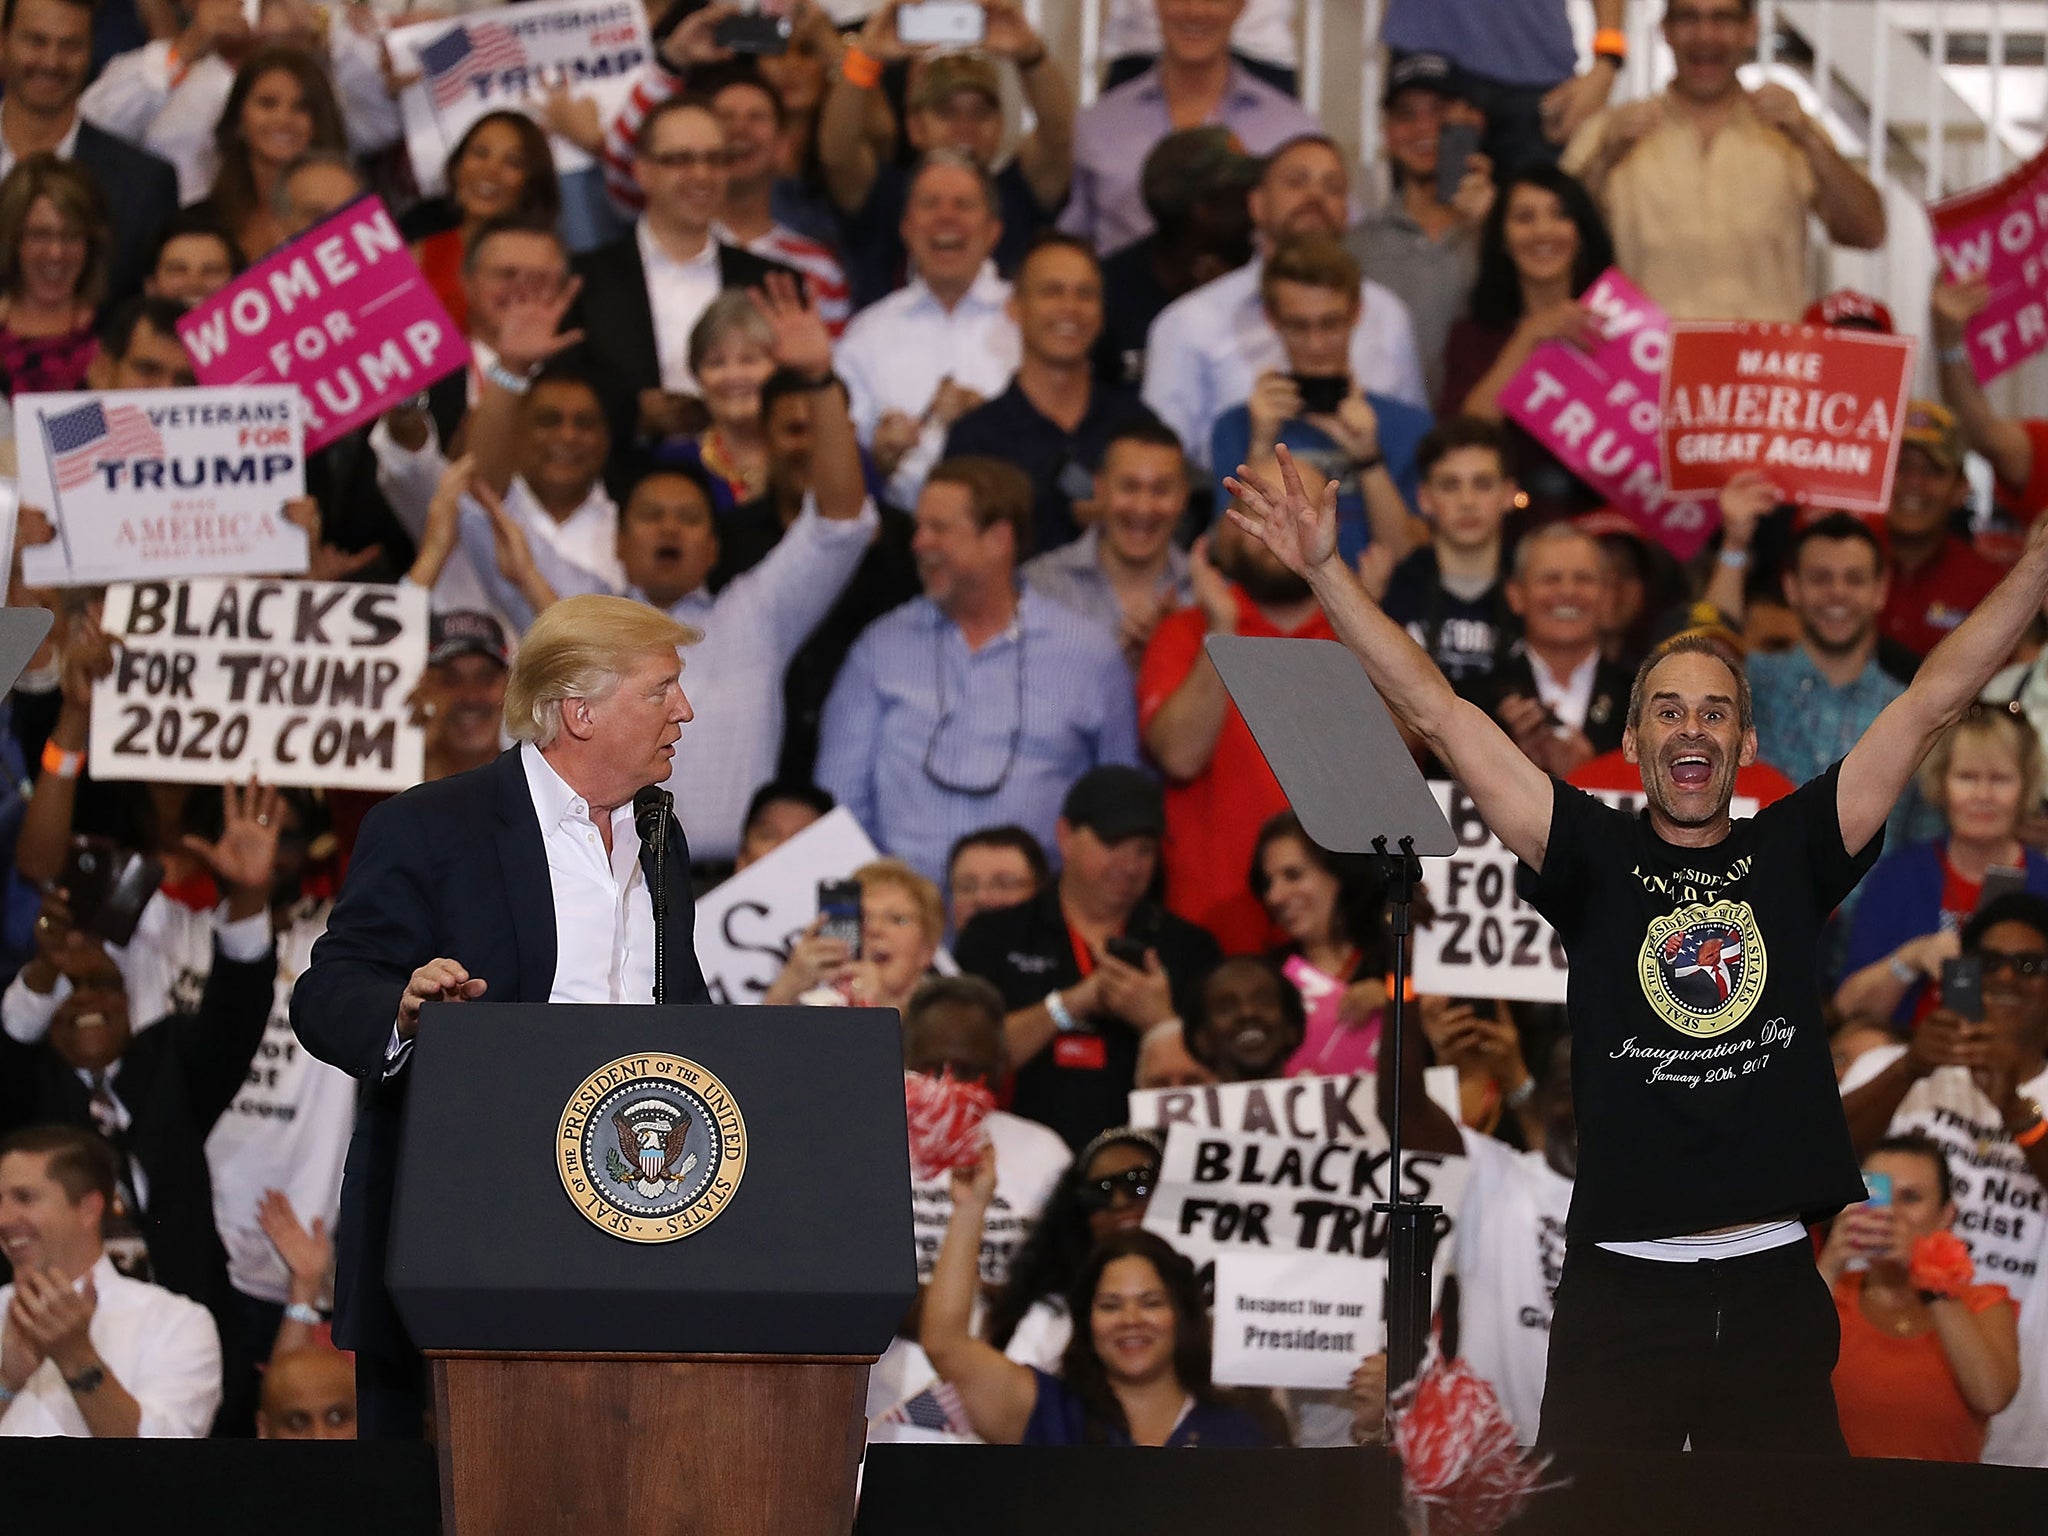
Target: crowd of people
(917, 424)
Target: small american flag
(466, 53)
(87, 434)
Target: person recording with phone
(557, 873)
(1363, 440)
(1972, 1079)
(873, 941)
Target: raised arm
(1878, 766)
(1512, 793)
(1999, 438)
(996, 1391)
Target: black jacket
(453, 868)
(175, 1080)
(617, 322)
(1606, 715)
(142, 194)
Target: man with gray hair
(524, 881)
(917, 361)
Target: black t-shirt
(1081, 1082)
(1465, 637)
(1700, 1068)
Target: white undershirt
(1740, 1243)
(1567, 698)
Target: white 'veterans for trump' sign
(149, 483)
(511, 58)
(299, 682)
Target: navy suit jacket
(142, 193)
(454, 868)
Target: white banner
(1295, 1319)
(746, 926)
(299, 682)
(1220, 1191)
(150, 483)
(1304, 1108)
(511, 58)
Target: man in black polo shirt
(1055, 421)
(1092, 963)
(1710, 1127)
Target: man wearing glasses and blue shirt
(976, 704)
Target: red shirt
(1213, 821)
(1898, 1397)
(1923, 607)
(2032, 498)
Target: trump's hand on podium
(438, 981)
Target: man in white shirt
(525, 880)
(920, 359)
(84, 1350)
(1207, 348)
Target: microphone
(651, 809)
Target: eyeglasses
(2026, 967)
(932, 755)
(1100, 1194)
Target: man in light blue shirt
(973, 705)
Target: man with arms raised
(1709, 1128)
(523, 881)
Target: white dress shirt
(1569, 697)
(678, 293)
(67, 147)
(161, 1347)
(898, 349)
(1207, 348)
(604, 916)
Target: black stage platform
(226, 1488)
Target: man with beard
(1707, 187)
(1689, 1306)
(1219, 791)
(1937, 576)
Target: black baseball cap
(1424, 72)
(1115, 803)
(465, 632)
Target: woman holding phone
(901, 924)
(1928, 1355)
(1983, 776)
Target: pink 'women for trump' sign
(1597, 411)
(341, 313)
(2000, 233)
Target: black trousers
(1731, 1354)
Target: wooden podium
(591, 1372)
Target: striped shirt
(917, 723)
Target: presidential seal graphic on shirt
(651, 1148)
(1702, 967)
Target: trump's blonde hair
(579, 649)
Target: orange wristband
(860, 70)
(60, 763)
(1610, 43)
(2032, 1133)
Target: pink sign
(1597, 411)
(2000, 233)
(341, 312)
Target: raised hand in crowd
(694, 42)
(1275, 400)
(325, 562)
(1863, 1232)
(244, 857)
(1476, 190)
(530, 330)
(878, 38)
(1486, 1048)
(1140, 998)
(438, 539)
(803, 342)
(308, 1254)
(514, 551)
(1008, 33)
(576, 118)
(56, 939)
(1954, 305)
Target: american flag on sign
(83, 436)
(465, 53)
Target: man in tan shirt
(1706, 188)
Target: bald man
(308, 1394)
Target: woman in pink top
(1333, 910)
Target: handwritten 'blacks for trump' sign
(161, 482)
(1816, 409)
(341, 313)
(299, 682)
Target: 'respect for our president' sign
(161, 482)
(301, 682)
(1816, 409)
(341, 314)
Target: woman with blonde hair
(1985, 776)
(53, 270)
(902, 922)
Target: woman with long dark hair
(502, 167)
(1542, 245)
(1136, 1371)
(54, 248)
(1332, 907)
(1105, 1190)
(281, 105)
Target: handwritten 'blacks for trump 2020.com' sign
(161, 482)
(341, 314)
(299, 682)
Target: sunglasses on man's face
(2026, 967)
(1133, 1183)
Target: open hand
(530, 328)
(308, 1252)
(1298, 525)
(244, 856)
(803, 342)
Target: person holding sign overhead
(509, 881)
(1709, 1128)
